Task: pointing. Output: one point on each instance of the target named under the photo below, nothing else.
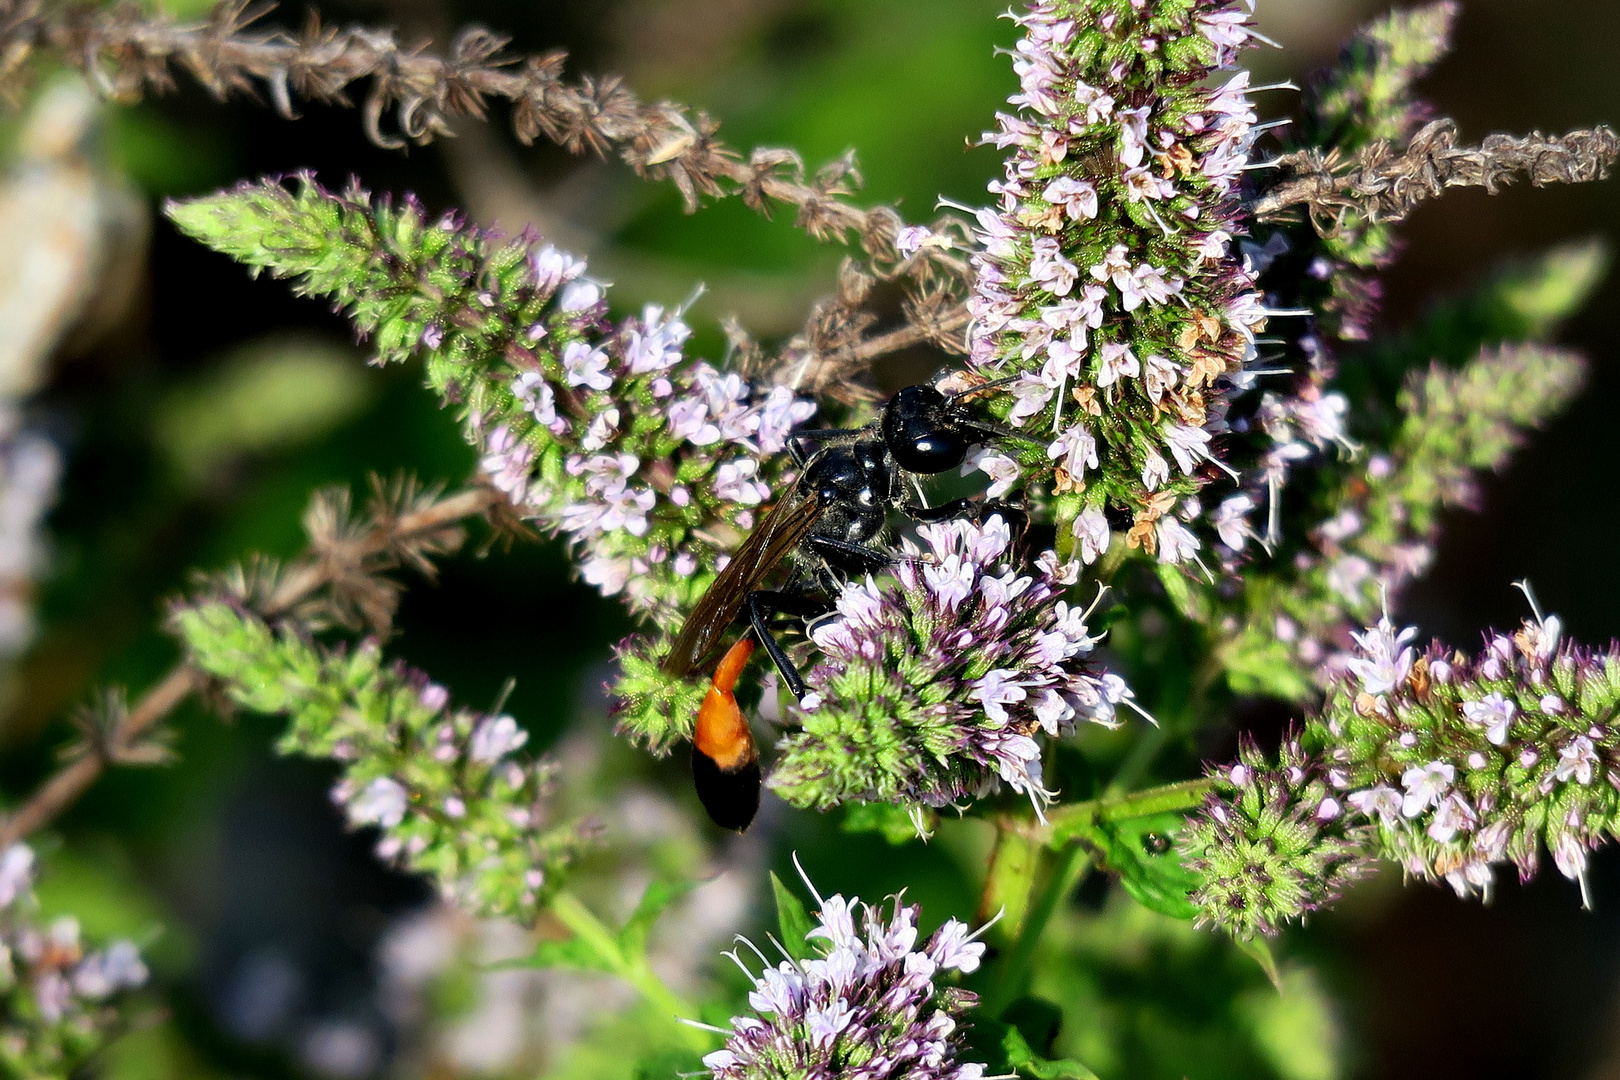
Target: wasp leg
(943, 512)
(848, 557)
(763, 605)
(1015, 517)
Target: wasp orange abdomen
(725, 764)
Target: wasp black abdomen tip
(731, 798)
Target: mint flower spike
(868, 1007)
(649, 462)
(1467, 762)
(936, 683)
(1447, 764)
(447, 788)
(1108, 281)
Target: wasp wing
(788, 523)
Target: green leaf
(792, 920)
(658, 896)
(891, 821)
(1143, 853)
(573, 954)
(1003, 1048)
(1027, 1062)
(1260, 949)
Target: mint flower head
(936, 684)
(869, 1007)
(1270, 843)
(1108, 284)
(1464, 762)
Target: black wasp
(825, 525)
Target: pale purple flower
(536, 396)
(1117, 362)
(553, 268)
(102, 974)
(1189, 445)
(1075, 450)
(16, 873)
(1078, 198)
(1494, 713)
(1091, 531)
(1425, 785)
(1133, 136)
(1454, 816)
(1098, 105)
(1386, 659)
(655, 343)
(1577, 759)
(1176, 542)
(584, 365)
(1143, 183)
(494, 738)
(382, 802)
(1050, 268)
(581, 295)
(1155, 470)
(996, 689)
(1231, 520)
(1002, 470)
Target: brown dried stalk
(336, 560)
(1380, 185)
(127, 52)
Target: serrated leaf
(792, 920)
(1153, 878)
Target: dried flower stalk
(1383, 186)
(333, 561)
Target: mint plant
(1165, 310)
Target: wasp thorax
(921, 433)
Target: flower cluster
(56, 994)
(1108, 282)
(867, 1008)
(651, 463)
(1271, 843)
(1464, 762)
(1445, 763)
(445, 786)
(1386, 513)
(935, 685)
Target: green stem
(1010, 878)
(1067, 823)
(1070, 866)
(637, 972)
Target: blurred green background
(198, 409)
